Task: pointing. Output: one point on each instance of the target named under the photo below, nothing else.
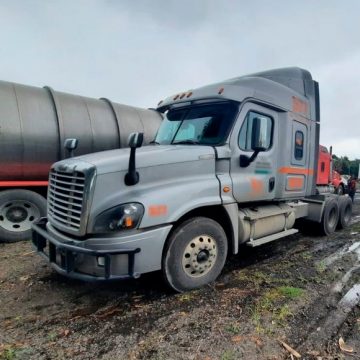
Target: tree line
(345, 166)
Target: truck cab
(232, 163)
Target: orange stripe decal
(157, 210)
(295, 183)
(295, 170)
(22, 183)
(299, 106)
(257, 186)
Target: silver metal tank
(34, 122)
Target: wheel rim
(199, 256)
(17, 216)
(340, 190)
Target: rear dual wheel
(195, 254)
(337, 214)
(330, 217)
(345, 212)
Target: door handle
(271, 184)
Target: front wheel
(18, 210)
(195, 254)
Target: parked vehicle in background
(232, 163)
(327, 178)
(34, 123)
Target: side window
(298, 151)
(299, 145)
(247, 129)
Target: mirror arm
(245, 161)
(132, 176)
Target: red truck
(326, 176)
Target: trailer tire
(330, 217)
(195, 254)
(345, 212)
(18, 210)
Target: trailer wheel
(330, 217)
(18, 210)
(345, 212)
(195, 254)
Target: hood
(151, 155)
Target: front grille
(67, 196)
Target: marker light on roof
(160, 102)
(189, 94)
(221, 90)
(175, 97)
(182, 95)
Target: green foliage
(8, 354)
(228, 355)
(291, 292)
(233, 328)
(345, 166)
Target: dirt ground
(303, 291)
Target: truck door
(294, 171)
(257, 181)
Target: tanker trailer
(34, 123)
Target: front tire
(18, 210)
(195, 254)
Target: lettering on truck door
(257, 181)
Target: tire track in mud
(333, 308)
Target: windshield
(206, 124)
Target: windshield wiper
(154, 142)
(191, 142)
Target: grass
(233, 328)
(290, 292)
(256, 278)
(320, 267)
(228, 355)
(274, 304)
(306, 255)
(8, 354)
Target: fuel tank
(261, 221)
(34, 123)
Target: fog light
(101, 261)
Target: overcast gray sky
(138, 52)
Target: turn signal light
(128, 222)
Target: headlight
(121, 217)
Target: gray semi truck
(34, 124)
(232, 163)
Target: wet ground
(302, 291)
